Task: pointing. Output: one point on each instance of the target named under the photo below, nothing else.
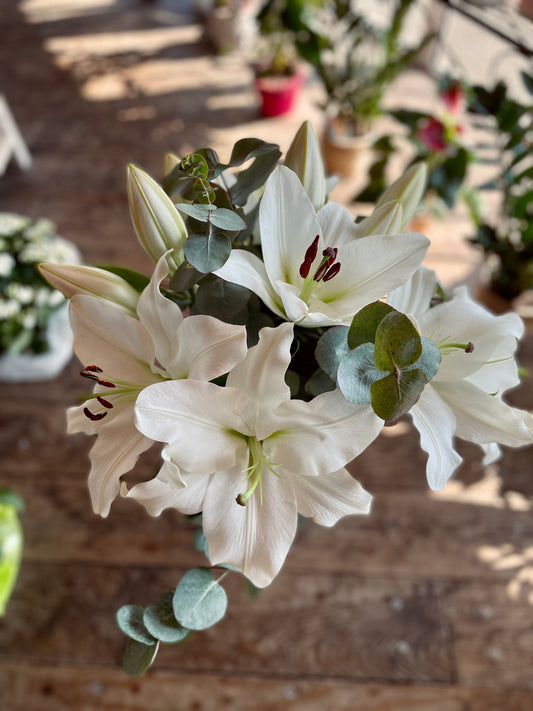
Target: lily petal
(484, 418)
(329, 497)
(200, 421)
(245, 269)
(501, 371)
(337, 225)
(160, 494)
(114, 453)
(436, 423)
(370, 268)
(254, 538)
(261, 375)
(414, 297)
(288, 225)
(118, 343)
(319, 436)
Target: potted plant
(230, 24)
(507, 239)
(278, 76)
(356, 62)
(437, 140)
(35, 338)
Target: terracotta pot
(342, 150)
(526, 8)
(278, 94)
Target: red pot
(278, 94)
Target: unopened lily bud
(407, 190)
(170, 162)
(72, 279)
(304, 158)
(385, 220)
(158, 224)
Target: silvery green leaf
(138, 657)
(332, 346)
(130, 621)
(199, 601)
(357, 373)
(160, 621)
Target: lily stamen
(309, 258)
(445, 347)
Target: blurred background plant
(507, 238)
(11, 543)
(438, 140)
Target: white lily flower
(314, 271)
(408, 190)
(464, 399)
(250, 458)
(123, 355)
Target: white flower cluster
(26, 300)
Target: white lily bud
(72, 279)
(385, 220)
(170, 162)
(407, 190)
(304, 158)
(158, 224)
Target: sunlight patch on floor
(485, 492)
(53, 10)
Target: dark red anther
(470, 347)
(94, 369)
(93, 415)
(332, 271)
(309, 258)
(104, 402)
(105, 383)
(321, 271)
(88, 375)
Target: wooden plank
(70, 688)
(312, 625)
(493, 625)
(405, 532)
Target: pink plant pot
(278, 94)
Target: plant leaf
(365, 322)
(199, 602)
(208, 252)
(228, 220)
(396, 393)
(138, 657)
(130, 621)
(161, 623)
(357, 373)
(331, 348)
(397, 343)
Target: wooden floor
(425, 605)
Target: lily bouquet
(273, 341)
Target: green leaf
(130, 621)
(265, 155)
(199, 602)
(228, 220)
(184, 278)
(429, 361)
(138, 657)
(138, 281)
(357, 373)
(195, 165)
(206, 253)
(331, 348)
(319, 383)
(220, 298)
(161, 623)
(397, 343)
(198, 211)
(395, 394)
(365, 323)
(11, 543)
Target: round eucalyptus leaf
(199, 602)
(160, 621)
(398, 343)
(331, 348)
(227, 220)
(365, 322)
(138, 657)
(197, 211)
(207, 253)
(130, 621)
(357, 373)
(430, 359)
(396, 393)
(220, 298)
